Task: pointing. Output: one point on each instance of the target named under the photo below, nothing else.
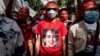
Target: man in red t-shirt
(51, 33)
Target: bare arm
(30, 44)
(64, 45)
(37, 46)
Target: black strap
(96, 38)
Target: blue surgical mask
(91, 16)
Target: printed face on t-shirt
(50, 38)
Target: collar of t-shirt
(91, 26)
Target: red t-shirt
(51, 37)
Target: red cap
(52, 3)
(87, 4)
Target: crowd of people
(51, 32)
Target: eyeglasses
(48, 9)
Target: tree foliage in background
(35, 4)
(31, 3)
(62, 3)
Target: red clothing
(53, 31)
(27, 33)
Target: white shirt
(91, 26)
(10, 37)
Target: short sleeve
(64, 30)
(38, 29)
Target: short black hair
(63, 9)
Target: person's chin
(51, 45)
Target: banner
(15, 7)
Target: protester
(11, 38)
(84, 36)
(42, 13)
(23, 15)
(51, 23)
(38, 17)
(64, 17)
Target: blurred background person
(64, 17)
(23, 21)
(42, 13)
(11, 37)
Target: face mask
(91, 16)
(51, 13)
(22, 16)
(42, 17)
(64, 18)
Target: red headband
(24, 9)
(52, 3)
(87, 4)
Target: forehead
(23, 11)
(92, 6)
(52, 5)
(64, 11)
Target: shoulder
(13, 24)
(99, 21)
(59, 22)
(77, 25)
(8, 20)
(42, 21)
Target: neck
(89, 22)
(51, 20)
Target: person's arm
(30, 45)
(37, 46)
(31, 42)
(64, 45)
(70, 44)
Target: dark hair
(42, 9)
(63, 9)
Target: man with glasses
(51, 23)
